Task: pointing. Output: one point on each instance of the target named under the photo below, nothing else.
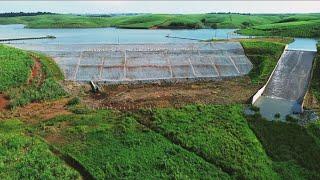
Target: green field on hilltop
(144, 21)
(296, 26)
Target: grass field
(24, 157)
(15, 79)
(113, 145)
(144, 21)
(294, 26)
(294, 149)
(175, 143)
(219, 134)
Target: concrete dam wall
(288, 84)
(141, 63)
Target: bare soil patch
(36, 112)
(36, 72)
(132, 97)
(4, 101)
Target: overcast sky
(161, 6)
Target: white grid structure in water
(148, 62)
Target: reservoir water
(113, 35)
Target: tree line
(15, 14)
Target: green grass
(315, 82)
(264, 56)
(112, 145)
(144, 21)
(24, 157)
(294, 149)
(298, 28)
(219, 134)
(16, 66)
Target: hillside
(144, 21)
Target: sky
(105, 7)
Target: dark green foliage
(115, 146)
(290, 146)
(290, 118)
(315, 82)
(219, 134)
(23, 157)
(73, 101)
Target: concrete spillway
(287, 85)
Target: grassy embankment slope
(17, 81)
(264, 54)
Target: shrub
(73, 101)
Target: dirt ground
(132, 97)
(36, 72)
(3, 101)
(35, 112)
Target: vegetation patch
(112, 145)
(15, 67)
(219, 134)
(315, 82)
(264, 56)
(15, 79)
(24, 157)
(293, 148)
(287, 27)
(210, 20)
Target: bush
(292, 119)
(73, 101)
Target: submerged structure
(133, 63)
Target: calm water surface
(112, 35)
